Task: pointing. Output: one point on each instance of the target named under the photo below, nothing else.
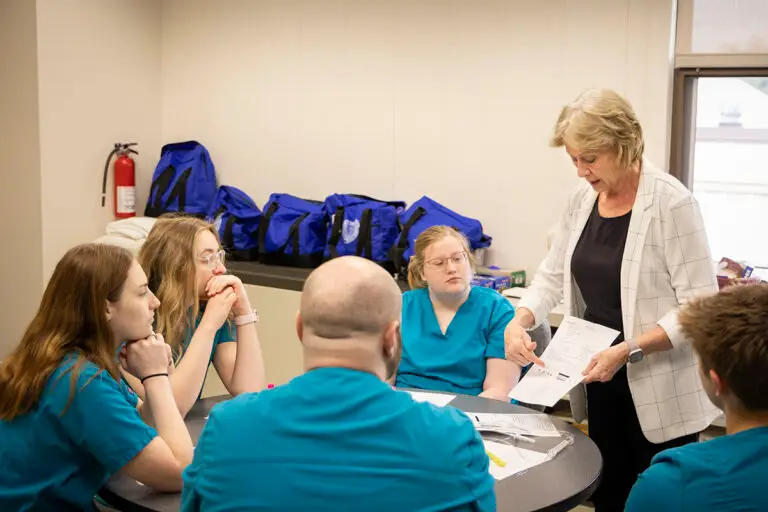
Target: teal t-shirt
(726, 474)
(337, 439)
(453, 362)
(56, 460)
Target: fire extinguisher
(125, 180)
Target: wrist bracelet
(154, 375)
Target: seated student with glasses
(453, 333)
(67, 419)
(204, 313)
(729, 334)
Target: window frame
(683, 123)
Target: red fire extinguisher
(125, 180)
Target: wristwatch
(635, 352)
(248, 318)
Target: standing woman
(204, 313)
(630, 248)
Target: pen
(495, 459)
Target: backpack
(236, 218)
(424, 214)
(293, 232)
(361, 226)
(184, 181)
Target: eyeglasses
(440, 263)
(214, 259)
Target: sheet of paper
(513, 458)
(538, 425)
(566, 356)
(438, 399)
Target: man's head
(729, 332)
(350, 317)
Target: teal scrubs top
(56, 457)
(337, 439)
(453, 362)
(728, 473)
(226, 333)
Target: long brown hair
(168, 257)
(71, 319)
(428, 237)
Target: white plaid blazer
(666, 261)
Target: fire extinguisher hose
(118, 147)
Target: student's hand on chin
(217, 284)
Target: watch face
(636, 356)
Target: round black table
(559, 484)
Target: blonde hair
(168, 257)
(428, 237)
(600, 120)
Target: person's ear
(299, 327)
(391, 337)
(718, 384)
(109, 310)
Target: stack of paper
(565, 358)
(537, 425)
(507, 460)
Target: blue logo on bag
(361, 226)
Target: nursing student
(67, 420)
(338, 437)
(204, 313)
(729, 334)
(453, 332)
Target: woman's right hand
(145, 357)
(518, 345)
(218, 307)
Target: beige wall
(21, 257)
(99, 70)
(454, 99)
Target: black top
(596, 267)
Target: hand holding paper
(568, 354)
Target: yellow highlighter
(496, 459)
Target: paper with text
(566, 356)
(513, 458)
(438, 399)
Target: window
(720, 151)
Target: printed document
(567, 355)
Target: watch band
(248, 318)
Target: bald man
(339, 437)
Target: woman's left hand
(606, 363)
(218, 283)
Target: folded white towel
(135, 228)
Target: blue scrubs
(56, 457)
(453, 362)
(337, 439)
(728, 473)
